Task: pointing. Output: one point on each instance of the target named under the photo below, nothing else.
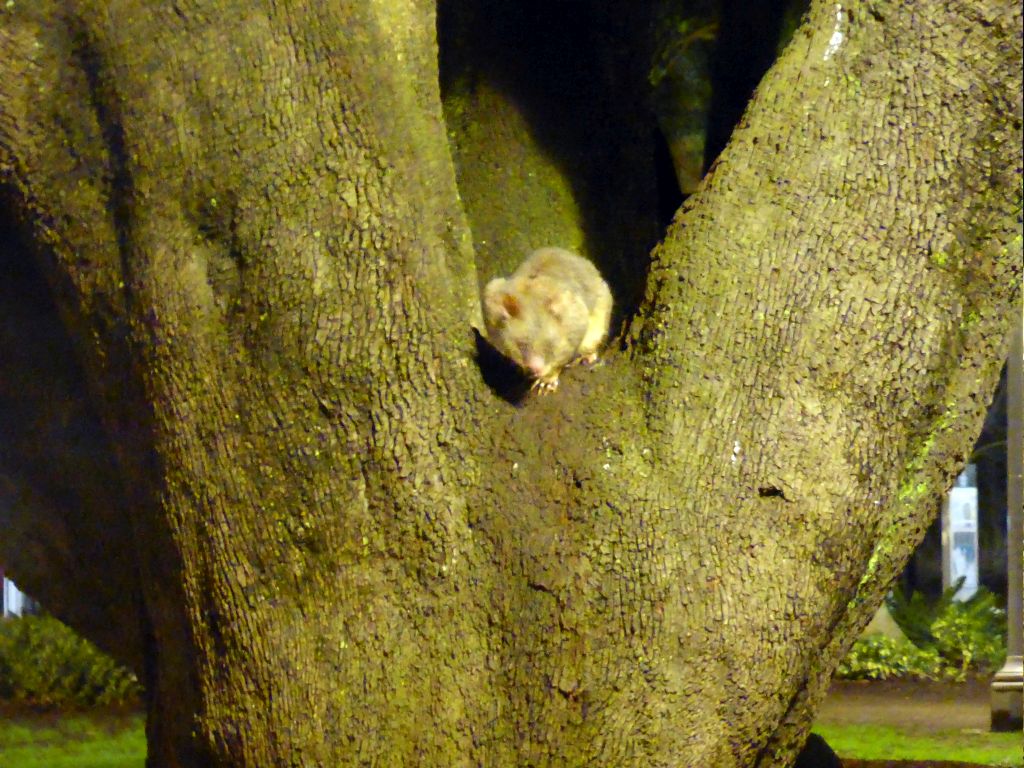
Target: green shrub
(44, 663)
(877, 657)
(946, 638)
(967, 633)
(971, 634)
(915, 614)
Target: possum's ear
(498, 304)
(510, 304)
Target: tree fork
(250, 223)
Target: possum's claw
(545, 386)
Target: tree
(261, 230)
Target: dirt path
(916, 706)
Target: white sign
(960, 535)
(14, 599)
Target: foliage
(966, 633)
(44, 663)
(945, 639)
(877, 657)
(965, 637)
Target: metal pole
(1008, 683)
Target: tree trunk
(336, 544)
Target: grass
(882, 742)
(72, 741)
(105, 741)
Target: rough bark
(859, 391)
(348, 549)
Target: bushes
(44, 663)
(968, 633)
(877, 657)
(945, 639)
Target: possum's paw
(545, 386)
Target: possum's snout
(536, 366)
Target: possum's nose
(536, 366)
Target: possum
(553, 310)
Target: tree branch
(867, 211)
